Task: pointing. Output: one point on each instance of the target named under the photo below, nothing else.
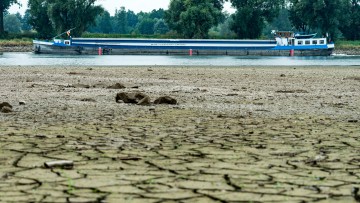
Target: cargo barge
(283, 44)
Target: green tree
(146, 26)
(120, 21)
(103, 24)
(25, 26)
(298, 11)
(12, 23)
(351, 26)
(223, 30)
(323, 15)
(194, 18)
(4, 5)
(159, 14)
(161, 27)
(67, 14)
(281, 22)
(39, 18)
(251, 15)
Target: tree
(25, 26)
(58, 16)
(351, 28)
(146, 26)
(194, 18)
(281, 22)
(249, 19)
(39, 18)
(102, 24)
(12, 23)
(323, 15)
(161, 27)
(132, 19)
(297, 12)
(159, 14)
(120, 21)
(67, 14)
(4, 5)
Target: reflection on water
(7, 59)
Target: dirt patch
(238, 140)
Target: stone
(116, 86)
(130, 97)
(5, 104)
(64, 164)
(81, 86)
(6, 109)
(165, 100)
(145, 101)
(22, 102)
(88, 100)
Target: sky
(112, 5)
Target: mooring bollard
(100, 51)
(190, 52)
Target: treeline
(190, 18)
(127, 22)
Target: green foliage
(161, 27)
(49, 16)
(67, 14)
(194, 18)
(4, 5)
(190, 18)
(323, 15)
(281, 22)
(120, 21)
(25, 26)
(298, 11)
(12, 23)
(157, 14)
(39, 18)
(250, 17)
(103, 24)
(347, 45)
(146, 26)
(351, 27)
(223, 30)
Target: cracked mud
(248, 134)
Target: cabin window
(307, 42)
(314, 41)
(300, 42)
(322, 41)
(67, 42)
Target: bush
(347, 45)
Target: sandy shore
(265, 134)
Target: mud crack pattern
(186, 153)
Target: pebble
(6, 109)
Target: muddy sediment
(266, 134)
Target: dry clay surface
(237, 134)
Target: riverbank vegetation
(347, 45)
(252, 19)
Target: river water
(16, 59)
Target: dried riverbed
(249, 134)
